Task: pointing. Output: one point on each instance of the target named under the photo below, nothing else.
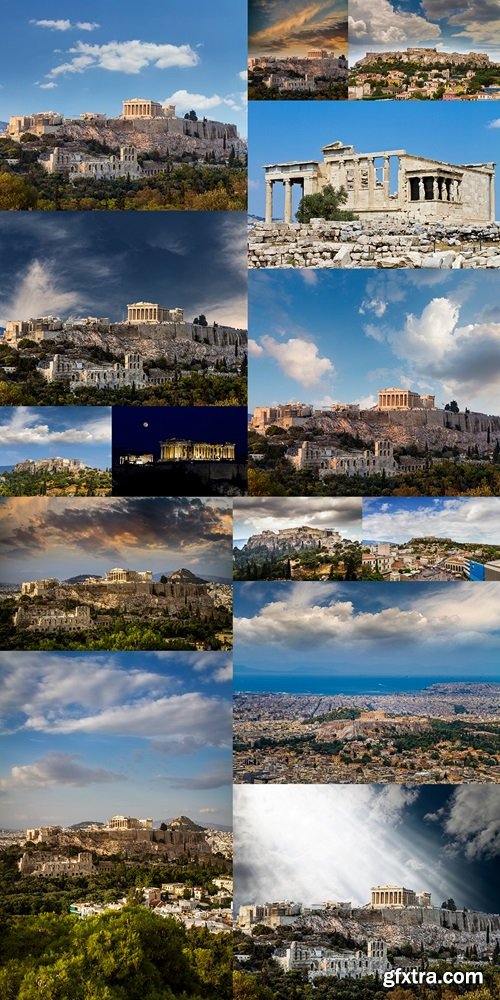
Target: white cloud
(47, 86)
(37, 292)
(126, 57)
(185, 101)
(254, 349)
(309, 276)
(309, 617)
(56, 768)
(472, 821)
(495, 123)
(65, 25)
(21, 426)
(275, 826)
(476, 20)
(378, 21)
(299, 359)
(375, 305)
(463, 359)
(475, 519)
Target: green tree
(15, 194)
(326, 204)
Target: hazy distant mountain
(81, 578)
(84, 823)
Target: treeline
(342, 564)
(85, 484)
(445, 478)
(127, 955)
(180, 187)
(187, 632)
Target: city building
(75, 164)
(39, 834)
(43, 123)
(152, 312)
(36, 588)
(396, 896)
(280, 914)
(180, 450)
(329, 460)
(39, 329)
(340, 964)
(99, 375)
(54, 866)
(41, 619)
(283, 415)
(428, 190)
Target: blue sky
(94, 263)
(84, 737)
(327, 629)
(320, 336)
(437, 838)
(90, 57)
(292, 27)
(66, 536)
(454, 132)
(461, 26)
(34, 432)
(463, 519)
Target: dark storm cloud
(111, 525)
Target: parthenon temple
(180, 450)
(404, 399)
(138, 107)
(398, 896)
(427, 190)
(152, 312)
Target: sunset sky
(292, 27)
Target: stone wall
(172, 341)
(166, 135)
(365, 244)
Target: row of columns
(288, 181)
(195, 451)
(137, 314)
(390, 897)
(433, 188)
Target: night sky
(139, 429)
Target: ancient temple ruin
(427, 190)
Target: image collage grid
(246, 402)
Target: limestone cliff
(175, 341)
(431, 927)
(434, 429)
(174, 136)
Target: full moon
(145, 424)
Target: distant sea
(279, 684)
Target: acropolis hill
(143, 125)
(426, 426)
(149, 329)
(136, 839)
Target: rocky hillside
(175, 341)
(433, 928)
(434, 429)
(174, 136)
